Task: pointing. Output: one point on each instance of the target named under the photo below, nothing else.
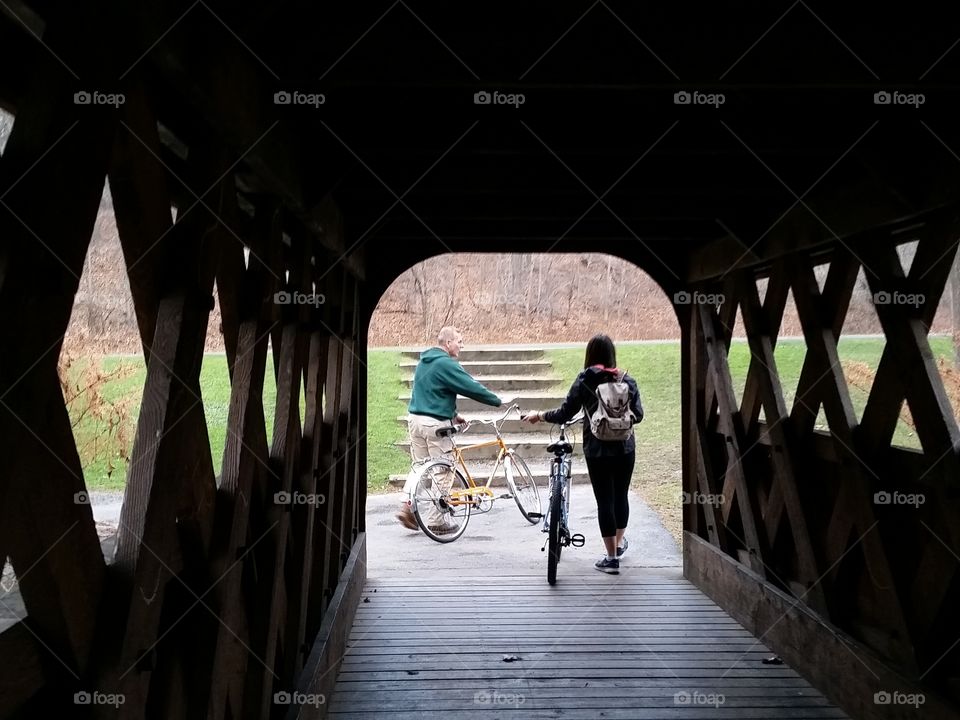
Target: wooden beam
(141, 205)
(735, 488)
(907, 368)
(813, 383)
(170, 467)
(269, 641)
(852, 508)
(320, 672)
(244, 465)
(51, 182)
(784, 455)
(800, 232)
(23, 667)
(836, 664)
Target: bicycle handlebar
(495, 422)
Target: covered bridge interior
(326, 147)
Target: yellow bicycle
(443, 496)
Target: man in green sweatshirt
(437, 381)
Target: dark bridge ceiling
(797, 153)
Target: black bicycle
(557, 520)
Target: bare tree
(419, 291)
(955, 308)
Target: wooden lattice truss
(217, 588)
(798, 506)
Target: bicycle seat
(560, 448)
(447, 431)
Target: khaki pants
(424, 444)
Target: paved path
(502, 542)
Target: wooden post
(170, 468)
(51, 181)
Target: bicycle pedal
(506, 496)
(578, 540)
(536, 516)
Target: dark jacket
(438, 380)
(583, 394)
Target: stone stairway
(521, 376)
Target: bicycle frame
(560, 482)
(504, 456)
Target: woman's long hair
(600, 351)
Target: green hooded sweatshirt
(438, 380)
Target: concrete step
(501, 383)
(494, 367)
(530, 446)
(487, 354)
(511, 425)
(527, 400)
(540, 471)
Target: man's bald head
(450, 339)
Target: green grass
(214, 394)
(656, 368)
(383, 408)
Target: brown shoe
(406, 518)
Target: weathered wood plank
(396, 663)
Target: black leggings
(610, 477)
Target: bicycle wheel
(440, 505)
(524, 489)
(554, 547)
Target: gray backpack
(613, 419)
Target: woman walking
(609, 462)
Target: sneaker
(406, 518)
(611, 567)
(623, 548)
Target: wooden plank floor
(641, 645)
